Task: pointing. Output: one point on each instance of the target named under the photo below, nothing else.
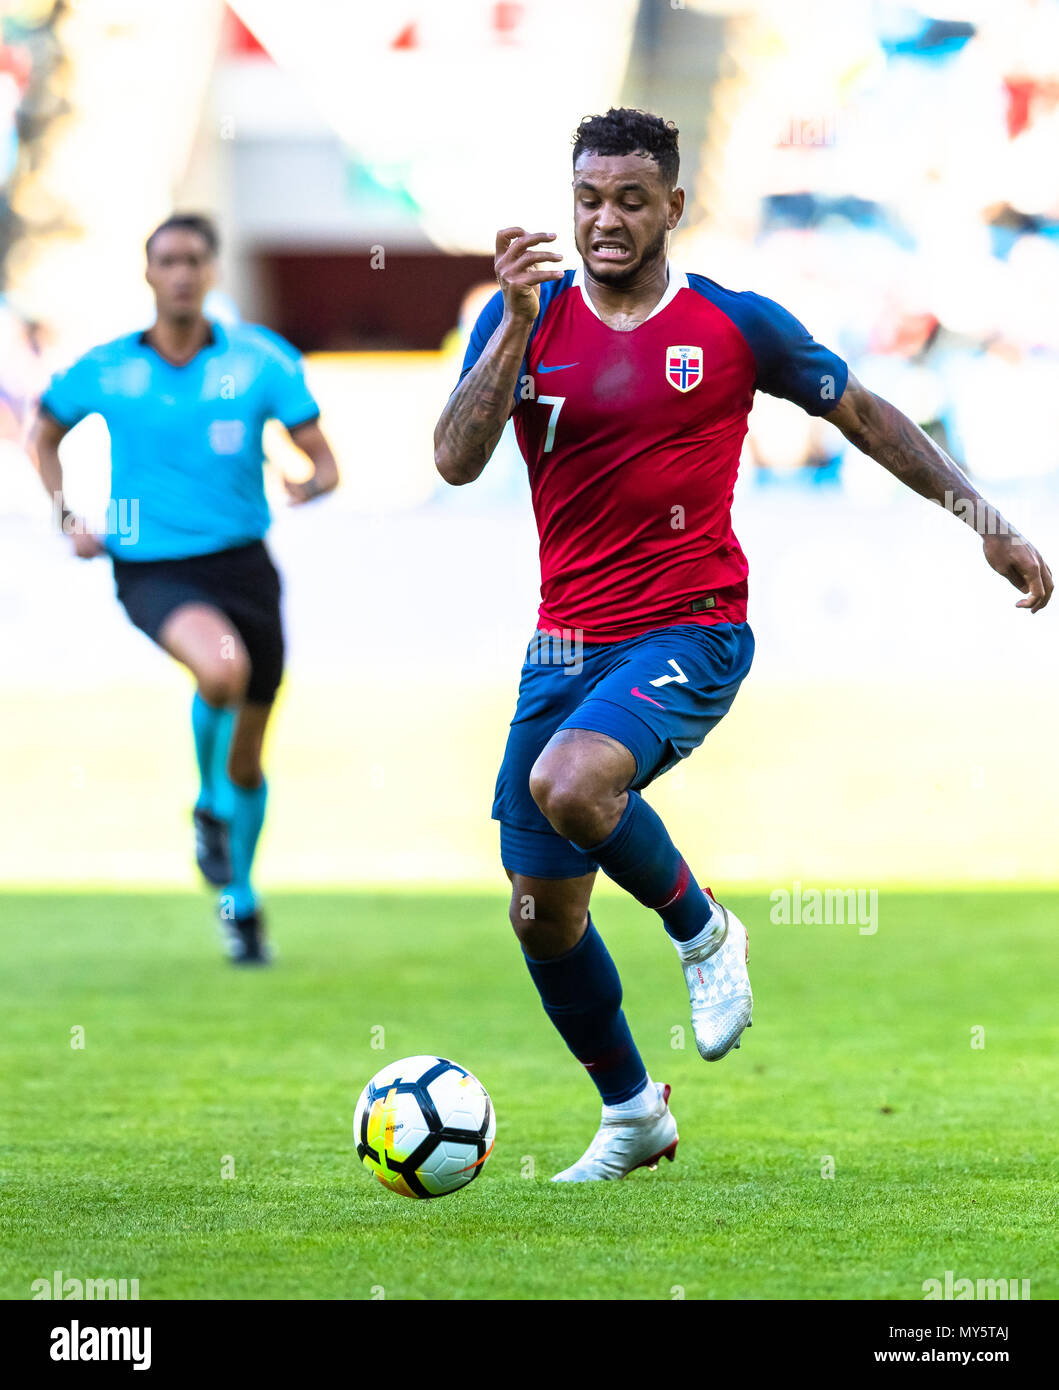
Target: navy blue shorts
(659, 694)
(242, 582)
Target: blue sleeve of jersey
(74, 393)
(790, 362)
(289, 399)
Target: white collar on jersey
(678, 281)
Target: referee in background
(185, 403)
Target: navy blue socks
(641, 858)
(581, 994)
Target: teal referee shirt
(185, 442)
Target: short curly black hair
(624, 130)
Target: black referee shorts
(242, 582)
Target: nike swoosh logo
(562, 368)
(636, 691)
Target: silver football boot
(623, 1144)
(722, 1002)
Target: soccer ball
(424, 1127)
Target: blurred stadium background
(888, 173)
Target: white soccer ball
(424, 1126)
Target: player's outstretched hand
(86, 545)
(1022, 565)
(520, 269)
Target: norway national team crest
(684, 367)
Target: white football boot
(722, 1003)
(622, 1144)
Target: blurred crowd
(912, 222)
(28, 53)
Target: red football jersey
(632, 442)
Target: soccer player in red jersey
(630, 386)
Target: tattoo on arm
(886, 435)
(474, 418)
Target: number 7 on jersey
(556, 403)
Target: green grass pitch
(861, 1053)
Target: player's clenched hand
(86, 546)
(302, 491)
(520, 269)
(1012, 556)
